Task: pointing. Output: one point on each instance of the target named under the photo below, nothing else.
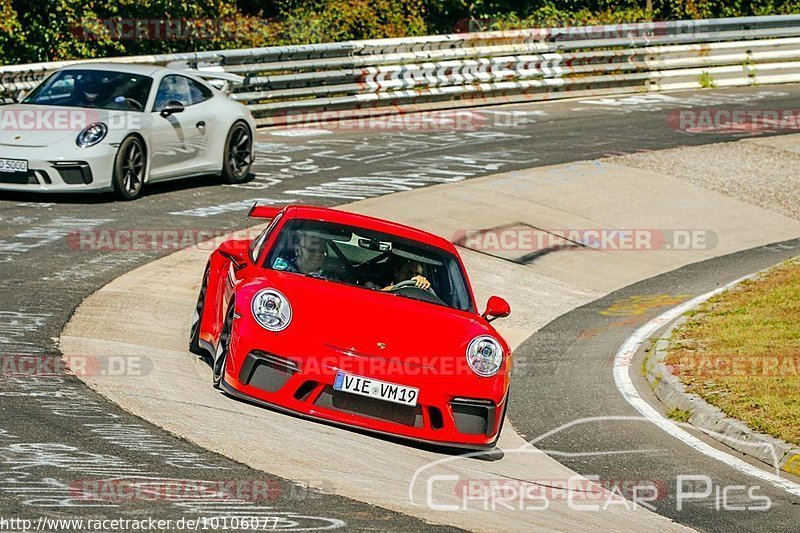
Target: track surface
(47, 446)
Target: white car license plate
(373, 388)
(13, 165)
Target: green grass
(706, 81)
(679, 415)
(741, 352)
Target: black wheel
(194, 338)
(238, 157)
(222, 348)
(129, 169)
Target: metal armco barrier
(286, 84)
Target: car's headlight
(91, 135)
(485, 356)
(271, 309)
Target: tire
(218, 366)
(130, 167)
(238, 155)
(194, 338)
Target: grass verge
(740, 351)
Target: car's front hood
(331, 318)
(27, 125)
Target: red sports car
(356, 321)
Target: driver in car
(409, 271)
(89, 90)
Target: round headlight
(271, 310)
(485, 356)
(91, 135)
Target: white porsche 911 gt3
(115, 127)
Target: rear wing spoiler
(215, 75)
(264, 211)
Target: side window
(200, 93)
(258, 244)
(173, 87)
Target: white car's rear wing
(214, 74)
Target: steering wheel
(410, 283)
(134, 103)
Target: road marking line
(622, 379)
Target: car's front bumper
(80, 170)
(460, 411)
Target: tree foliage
(46, 30)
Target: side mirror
(173, 106)
(235, 252)
(496, 308)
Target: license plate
(373, 388)
(13, 165)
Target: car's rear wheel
(223, 346)
(194, 339)
(129, 169)
(238, 156)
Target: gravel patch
(752, 172)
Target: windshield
(93, 88)
(371, 260)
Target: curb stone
(710, 420)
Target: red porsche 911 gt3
(356, 321)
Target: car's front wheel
(129, 169)
(238, 156)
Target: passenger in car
(311, 258)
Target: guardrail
(356, 78)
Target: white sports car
(115, 127)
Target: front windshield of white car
(99, 89)
(372, 260)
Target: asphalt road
(57, 437)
